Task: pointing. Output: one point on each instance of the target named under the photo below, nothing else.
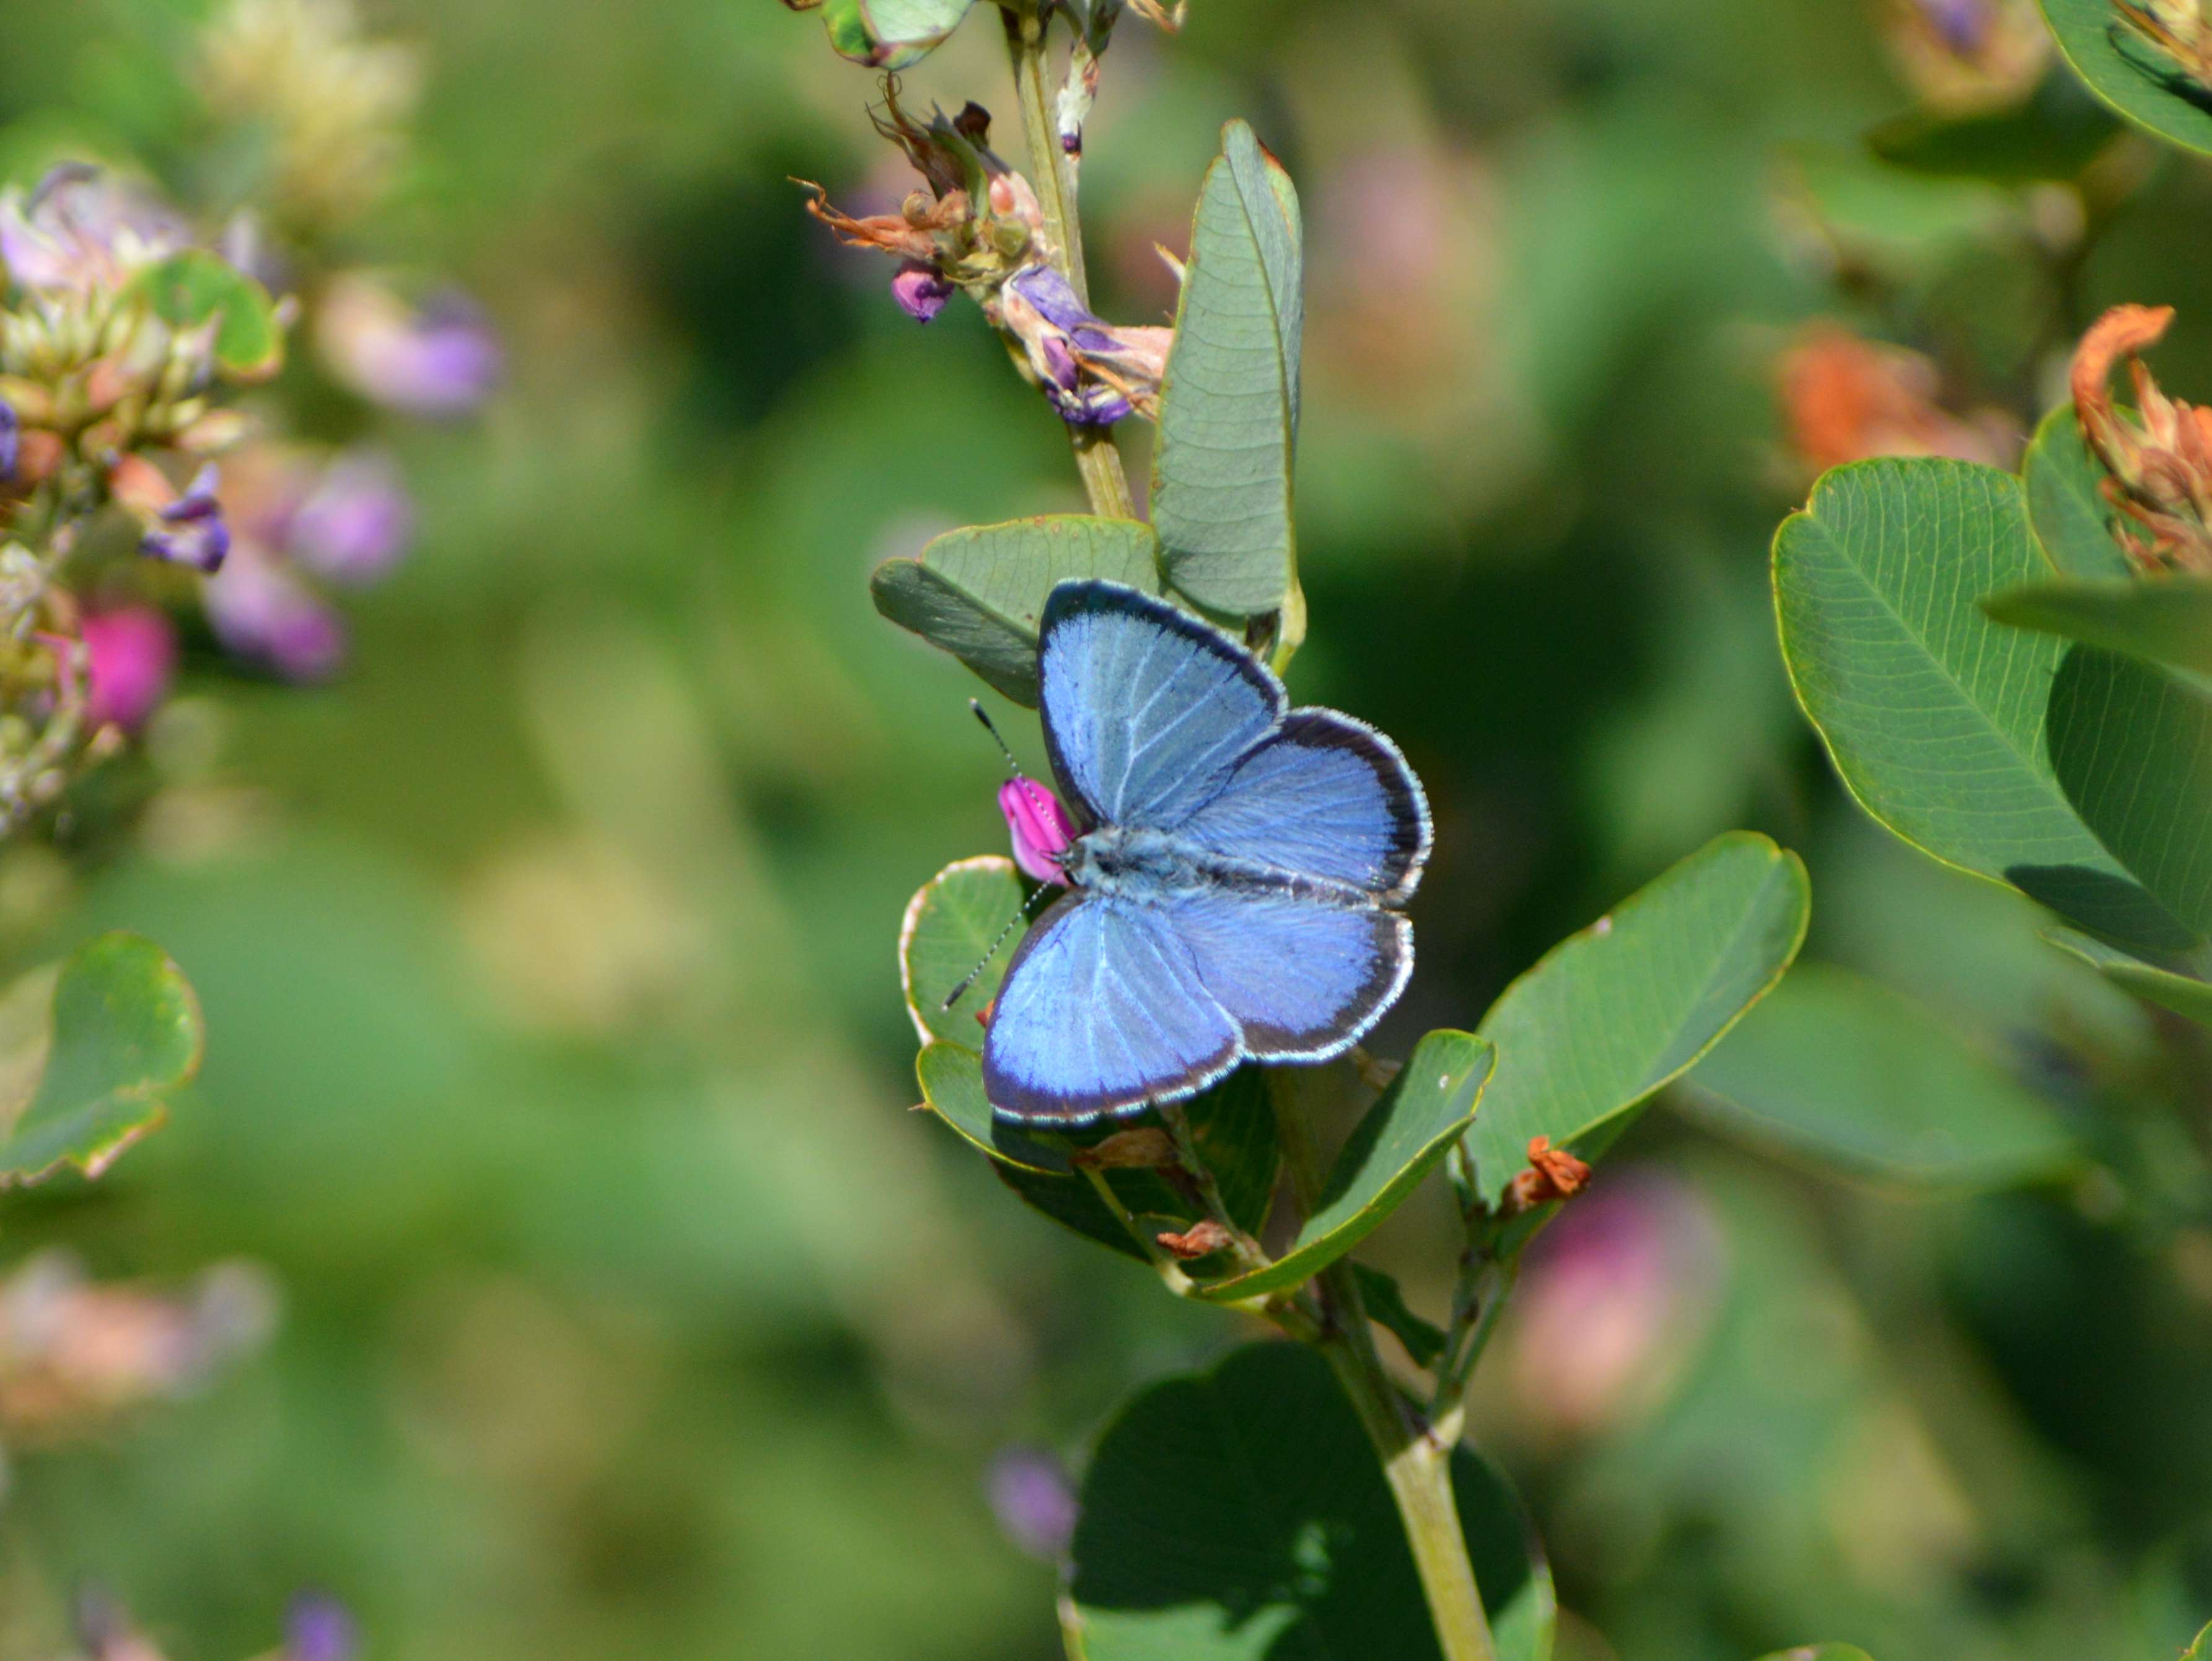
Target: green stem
(1096, 458)
(1416, 1462)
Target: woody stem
(1416, 1461)
(1096, 458)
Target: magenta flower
(131, 652)
(261, 612)
(1041, 827)
(920, 291)
(441, 358)
(355, 522)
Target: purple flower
(355, 522)
(263, 613)
(131, 652)
(191, 530)
(439, 359)
(1093, 371)
(1962, 25)
(1033, 1501)
(920, 291)
(319, 1629)
(1039, 827)
(81, 228)
(11, 441)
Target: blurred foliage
(558, 1071)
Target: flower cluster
(143, 468)
(2158, 463)
(975, 225)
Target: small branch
(1416, 1462)
(1103, 478)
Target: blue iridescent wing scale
(1322, 796)
(1303, 981)
(1101, 1010)
(1146, 708)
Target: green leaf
(1424, 1339)
(2066, 503)
(2186, 996)
(951, 1078)
(1403, 1137)
(191, 288)
(2129, 74)
(1229, 406)
(978, 593)
(1933, 715)
(2053, 133)
(2165, 619)
(1240, 1515)
(914, 25)
(951, 922)
(1234, 1128)
(2132, 746)
(126, 1034)
(1841, 1068)
(1612, 1014)
(890, 34)
(2202, 1649)
(1826, 1652)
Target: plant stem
(1096, 458)
(1416, 1462)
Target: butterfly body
(1232, 883)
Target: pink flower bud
(131, 653)
(1041, 827)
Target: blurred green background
(557, 1068)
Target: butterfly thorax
(1153, 866)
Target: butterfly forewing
(1146, 708)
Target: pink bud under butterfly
(1041, 827)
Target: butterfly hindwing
(1146, 708)
(1324, 796)
(1303, 981)
(1102, 1009)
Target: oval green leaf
(126, 1034)
(1612, 1014)
(907, 28)
(2132, 746)
(1240, 1515)
(2066, 505)
(978, 593)
(2129, 74)
(1229, 406)
(190, 289)
(2202, 1649)
(1840, 1067)
(1934, 714)
(2164, 620)
(1401, 1139)
(950, 922)
(2186, 996)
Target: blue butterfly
(1232, 892)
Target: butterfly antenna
(983, 716)
(969, 978)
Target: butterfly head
(1042, 833)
